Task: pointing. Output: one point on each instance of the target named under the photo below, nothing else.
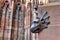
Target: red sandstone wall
(53, 30)
(54, 0)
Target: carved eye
(18, 7)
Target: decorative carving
(39, 23)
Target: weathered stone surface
(53, 30)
